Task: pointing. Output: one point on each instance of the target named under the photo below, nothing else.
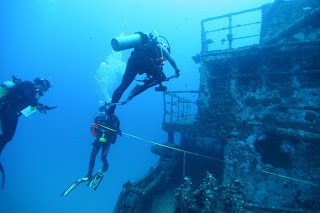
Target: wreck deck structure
(256, 114)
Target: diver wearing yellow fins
(18, 98)
(148, 58)
(105, 130)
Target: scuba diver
(18, 98)
(148, 58)
(105, 129)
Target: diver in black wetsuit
(144, 59)
(105, 129)
(104, 138)
(21, 97)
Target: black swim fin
(96, 180)
(74, 185)
(3, 175)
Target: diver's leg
(127, 79)
(104, 153)
(95, 149)
(97, 178)
(9, 121)
(146, 65)
(141, 88)
(157, 77)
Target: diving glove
(43, 108)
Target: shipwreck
(250, 137)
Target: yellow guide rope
(205, 156)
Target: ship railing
(180, 105)
(247, 27)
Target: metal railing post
(171, 108)
(230, 31)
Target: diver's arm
(43, 108)
(167, 55)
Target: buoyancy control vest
(19, 96)
(151, 51)
(101, 132)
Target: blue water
(66, 41)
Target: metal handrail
(230, 38)
(178, 106)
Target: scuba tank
(4, 88)
(126, 42)
(138, 39)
